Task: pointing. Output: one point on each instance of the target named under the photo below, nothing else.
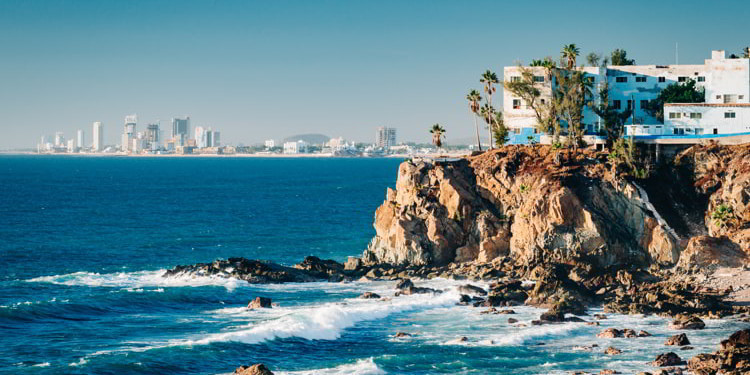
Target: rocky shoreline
(562, 235)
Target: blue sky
(256, 70)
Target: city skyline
(260, 70)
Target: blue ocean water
(84, 241)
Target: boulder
(687, 322)
(610, 333)
(678, 340)
(612, 351)
(705, 253)
(369, 295)
(667, 359)
(472, 290)
(256, 369)
(402, 335)
(260, 302)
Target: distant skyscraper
(181, 130)
(200, 137)
(59, 139)
(98, 133)
(79, 138)
(209, 138)
(385, 137)
(216, 139)
(153, 136)
(128, 133)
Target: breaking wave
(135, 280)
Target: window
(740, 97)
(515, 79)
(698, 131)
(682, 79)
(718, 96)
(516, 131)
(730, 98)
(616, 104)
(729, 115)
(675, 115)
(694, 115)
(516, 103)
(644, 104)
(621, 79)
(538, 78)
(716, 131)
(630, 104)
(662, 79)
(640, 79)
(701, 79)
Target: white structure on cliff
(726, 110)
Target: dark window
(616, 104)
(716, 131)
(515, 79)
(675, 131)
(630, 104)
(682, 79)
(701, 79)
(695, 115)
(729, 115)
(640, 79)
(516, 103)
(662, 79)
(621, 79)
(538, 78)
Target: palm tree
(746, 53)
(474, 98)
(593, 59)
(569, 53)
(489, 79)
(438, 133)
(488, 115)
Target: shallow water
(84, 242)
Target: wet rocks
(667, 359)
(643, 334)
(369, 295)
(610, 333)
(472, 290)
(260, 303)
(612, 351)
(512, 321)
(400, 335)
(678, 340)
(252, 271)
(732, 358)
(256, 369)
(406, 288)
(687, 322)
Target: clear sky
(256, 70)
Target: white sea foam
(328, 321)
(45, 364)
(361, 367)
(136, 280)
(80, 362)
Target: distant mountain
(466, 141)
(314, 139)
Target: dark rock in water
(253, 271)
(667, 359)
(464, 299)
(471, 289)
(404, 284)
(610, 333)
(687, 322)
(260, 303)
(369, 295)
(402, 335)
(608, 372)
(678, 340)
(732, 358)
(323, 269)
(643, 334)
(629, 333)
(552, 316)
(574, 319)
(256, 369)
(511, 320)
(612, 351)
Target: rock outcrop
(256, 369)
(732, 358)
(517, 201)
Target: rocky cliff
(525, 203)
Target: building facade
(385, 137)
(98, 134)
(299, 147)
(180, 130)
(725, 81)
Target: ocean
(84, 242)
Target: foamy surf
(135, 280)
(361, 367)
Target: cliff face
(518, 202)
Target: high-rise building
(79, 138)
(180, 130)
(209, 138)
(385, 137)
(98, 132)
(59, 139)
(216, 139)
(200, 137)
(129, 133)
(152, 133)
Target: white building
(79, 139)
(59, 139)
(129, 132)
(727, 91)
(385, 137)
(200, 137)
(270, 143)
(98, 133)
(299, 147)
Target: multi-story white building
(129, 133)
(270, 143)
(80, 139)
(726, 110)
(299, 147)
(385, 137)
(98, 132)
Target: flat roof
(707, 104)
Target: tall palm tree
(438, 132)
(489, 79)
(570, 52)
(746, 52)
(593, 59)
(474, 98)
(488, 115)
